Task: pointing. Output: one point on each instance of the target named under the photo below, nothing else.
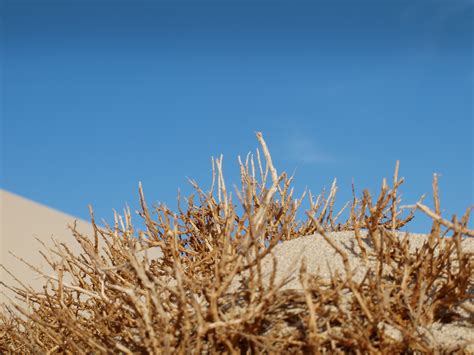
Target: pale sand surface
(322, 259)
(21, 220)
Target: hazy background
(98, 95)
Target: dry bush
(207, 292)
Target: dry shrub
(207, 292)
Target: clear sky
(98, 95)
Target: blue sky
(98, 95)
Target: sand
(21, 220)
(322, 259)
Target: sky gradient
(99, 95)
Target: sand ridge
(322, 259)
(21, 221)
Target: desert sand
(321, 259)
(21, 220)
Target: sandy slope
(21, 220)
(322, 259)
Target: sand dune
(321, 259)
(21, 220)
